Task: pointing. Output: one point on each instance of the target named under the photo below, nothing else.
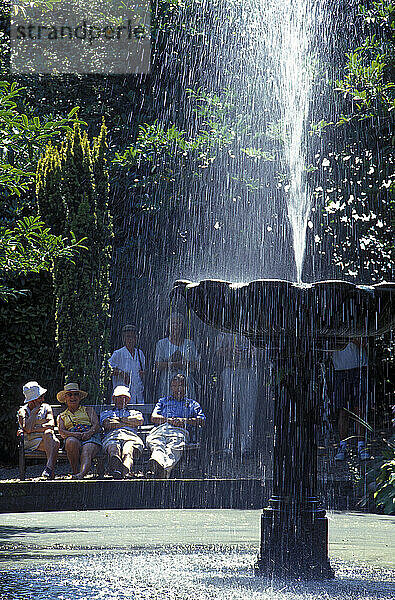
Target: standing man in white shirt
(128, 365)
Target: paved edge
(60, 495)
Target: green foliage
(365, 82)
(258, 154)
(31, 247)
(367, 78)
(154, 142)
(24, 137)
(357, 173)
(20, 6)
(28, 351)
(162, 154)
(72, 191)
(385, 490)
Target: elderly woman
(37, 422)
(79, 427)
(176, 354)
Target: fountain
(297, 321)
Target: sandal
(48, 473)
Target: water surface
(179, 555)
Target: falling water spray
(291, 32)
(263, 57)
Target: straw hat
(32, 390)
(70, 387)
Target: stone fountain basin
(270, 309)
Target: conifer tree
(72, 192)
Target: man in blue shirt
(174, 415)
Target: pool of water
(179, 555)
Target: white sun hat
(121, 390)
(32, 390)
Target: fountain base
(299, 320)
(294, 541)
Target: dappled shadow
(8, 531)
(36, 556)
(32, 557)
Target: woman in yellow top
(78, 426)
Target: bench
(99, 463)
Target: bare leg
(73, 449)
(51, 446)
(88, 452)
(113, 450)
(343, 424)
(128, 453)
(358, 427)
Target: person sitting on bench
(37, 422)
(121, 441)
(174, 415)
(79, 427)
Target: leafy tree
(27, 244)
(357, 171)
(30, 247)
(24, 137)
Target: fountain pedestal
(294, 529)
(298, 320)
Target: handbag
(80, 428)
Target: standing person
(37, 422)
(239, 385)
(79, 427)
(176, 354)
(128, 365)
(174, 415)
(121, 441)
(350, 392)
